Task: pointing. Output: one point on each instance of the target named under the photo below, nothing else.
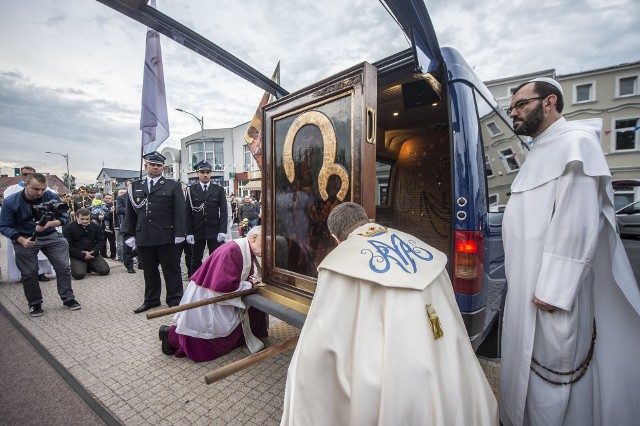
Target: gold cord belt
(582, 368)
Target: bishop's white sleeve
(571, 240)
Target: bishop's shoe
(167, 349)
(145, 307)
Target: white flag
(154, 120)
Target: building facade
(109, 181)
(225, 149)
(609, 93)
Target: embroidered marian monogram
(401, 252)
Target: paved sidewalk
(115, 355)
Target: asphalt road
(632, 245)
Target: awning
(624, 183)
(254, 185)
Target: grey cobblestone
(115, 354)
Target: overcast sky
(71, 70)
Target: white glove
(221, 237)
(190, 239)
(227, 238)
(179, 240)
(131, 242)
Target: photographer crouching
(29, 219)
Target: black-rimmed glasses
(522, 103)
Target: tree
(72, 181)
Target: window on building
(622, 199)
(584, 92)
(383, 187)
(493, 199)
(494, 130)
(487, 164)
(627, 86)
(218, 154)
(383, 174)
(510, 160)
(210, 150)
(241, 191)
(626, 135)
(249, 161)
(168, 171)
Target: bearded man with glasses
(571, 328)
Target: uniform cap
(203, 165)
(154, 158)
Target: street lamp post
(66, 158)
(200, 120)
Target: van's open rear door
(138, 10)
(319, 150)
(414, 20)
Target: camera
(49, 210)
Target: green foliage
(72, 185)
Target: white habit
(562, 247)
(367, 354)
(13, 273)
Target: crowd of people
(151, 222)
(384, 341)
(94, 226)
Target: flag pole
(141, 157)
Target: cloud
(501, 41)
(71, 77)
(63, 119)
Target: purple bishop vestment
(222, 272)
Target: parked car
(628, 219)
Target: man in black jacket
(248, 211)
(127, 253)
(86, 241)
(31, 230)
(155, 216)
(108, 226)
(206, 215)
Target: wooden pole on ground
(234, 367)
(209, 301)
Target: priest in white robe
(384, 342)
(571, 329)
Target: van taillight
(468, 262)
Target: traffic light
(16, 171)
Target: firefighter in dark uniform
(155, 216)
(206, 215)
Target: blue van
(403, 136)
